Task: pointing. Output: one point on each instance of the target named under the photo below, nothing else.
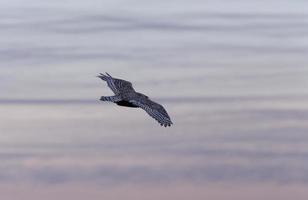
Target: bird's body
(125, 95)
(126, 104)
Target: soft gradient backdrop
(233, 76)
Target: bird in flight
(125, 95)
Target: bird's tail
(106, 98)
(111, 98)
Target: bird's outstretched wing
(117, 85)
(154, 109)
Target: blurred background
(233, 76)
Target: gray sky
(54, 49)
(232, 75)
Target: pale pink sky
(154, 192)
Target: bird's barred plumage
(112, 98)
(125, 95)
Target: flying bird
(125, 95)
